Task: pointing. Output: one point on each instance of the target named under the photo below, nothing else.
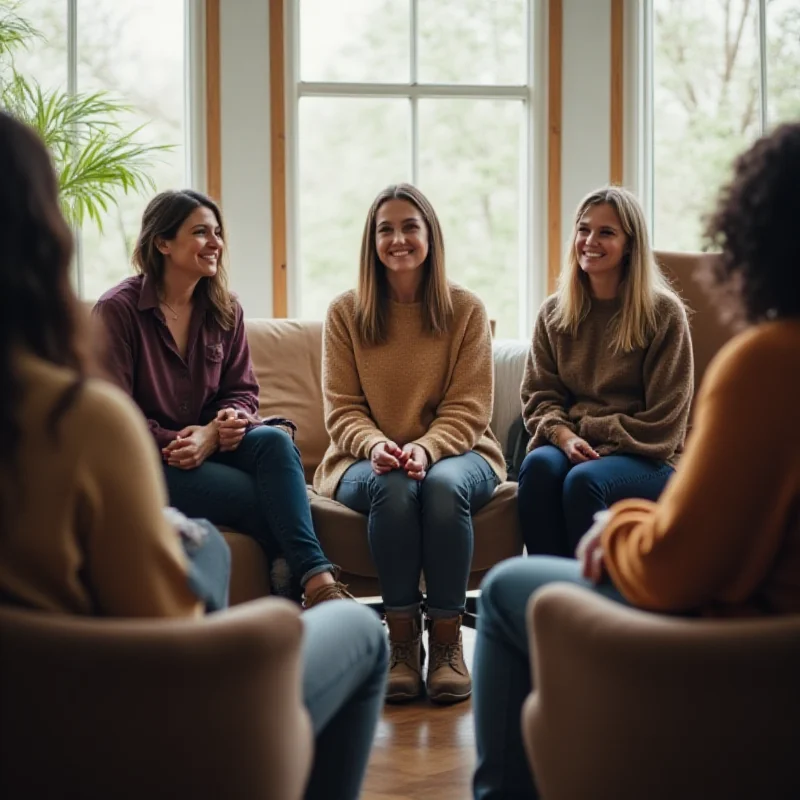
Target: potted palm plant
(96, 157)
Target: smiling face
(197, 246)
(600, 242)
(401, 236)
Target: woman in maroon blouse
(177, 345)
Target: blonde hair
(372, 295)
(642, 279)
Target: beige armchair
(108, 708)
(629, 705)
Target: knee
(541, 469)
(394, 493)
(582, 481)
(363, 627)
(271, 439)
(442, 499)
(496, 588)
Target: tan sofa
(287, 357)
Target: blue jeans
(501, 673)
(557, 500)
(258, 489)
(345, 662)
(421, 526)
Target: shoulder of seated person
(106, 406)
(125, 293)
(464, 300)
(669, 307)
(768, 351)
(343, 304)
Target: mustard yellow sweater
(724, 538)
(83, 530)
(433, 391)
(635, 403)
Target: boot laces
(447, 653)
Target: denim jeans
(345, 662)
(421, 526)
(501, 673)
(209, 567)
(557, 500)
(258, 489)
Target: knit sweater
(633, 402)
(434, 391)
(724, 538)
(83, 529)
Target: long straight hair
(162, 218)
(372, 295)
(642, 279)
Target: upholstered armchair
(107, 708)
(635, 706)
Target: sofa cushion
(509, 364)
(287, 358)
(343, 532)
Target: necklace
(172, 310)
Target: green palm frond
(96, 159)
(15, 31)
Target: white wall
(586, 103)
(246, 192)
(246, 179)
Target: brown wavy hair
(754, 226)
(39, 312)
(372, 295)
(162, 218)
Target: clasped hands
(412, 458)
(195, 443)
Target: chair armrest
(629, 704)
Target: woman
(408, 384)
(100, 544)
(724, 538)
(178, 346)
(608, 381)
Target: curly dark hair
(39, 312)
(755, 228)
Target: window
(135, 51)
(723, 72)
(434, 92)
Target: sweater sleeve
(347, 413)
(121, 349)
(135, 561)
(464, 413)
(545, 399)
(659, 430)
(721, 513)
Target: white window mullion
(762, 62)
(72, 89)
(291, 71)
(414, 80)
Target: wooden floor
(424, 751)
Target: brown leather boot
(448, 677)
(405, 661)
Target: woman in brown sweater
(724, 538)
(608, 380)
(408, 383)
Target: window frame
(533, 178)
(194, 83)
(646, 125)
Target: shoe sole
(447, 699)
(397, 699)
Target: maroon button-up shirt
(143, 360)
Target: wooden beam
(280, 296)
(213, 108)
(617, 91)
(555, 18)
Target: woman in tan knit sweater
(408, 385)
(608, 380)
